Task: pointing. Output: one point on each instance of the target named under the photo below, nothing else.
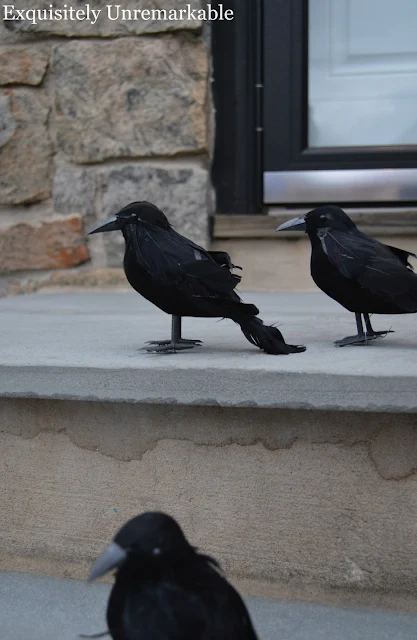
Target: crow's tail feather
(269, 339)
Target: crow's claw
(178, 341)
(362, 340)
(379, 334)
(169, 347)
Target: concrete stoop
(297, 472)
(41, 608)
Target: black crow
(183, 279)
(362, 274)
(165, 590)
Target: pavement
(42, 608)
(86, 345)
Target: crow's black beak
(112, 224)
(296, 224)
(112, 557)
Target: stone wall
(295, 504)
(91, 118)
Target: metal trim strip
(341, 185)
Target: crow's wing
(348, 252)
(392, 281)
(218, 279)
(175, 261)
(376, 267)
(402, 255)
(223, 259)
(230, 618)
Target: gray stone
(181, 192)
(9, 36)
(74, 190)
(109, 22)
(131, 97)
(26, 149)
(23, 65)
(7, 122)
(46, 608)
(302, 481)
(71, 359)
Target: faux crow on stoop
(362, 274)
(183, 279)
(165, 589)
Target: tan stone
(56, 243)
(23, 65)
(271, 265)
(104, 26)
(291, 498)
(25, 146)
(105, 278)
(283, 264)
(393, 456)
(97, 278)
(131, 97)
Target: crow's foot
(169, 346)
(361, 340)
(378, 334)
(178, 341)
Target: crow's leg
(177, 343)
(176, 333)
(360, 338)
(370, 333)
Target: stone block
(55, 243)
(181, 193)
(23, 65)
(288, 499)
(74, 190)
(25, 146)
(106, 20)
(131, 97)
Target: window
(316, 101)
(340, 118)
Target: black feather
(361, 273)
(176, 594)
(183, 279)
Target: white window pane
(362, 72)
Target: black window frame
(286, 102)
(237, 72)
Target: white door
(362, 78)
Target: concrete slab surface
(86, 345)
(42, 608)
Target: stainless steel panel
(352, 185)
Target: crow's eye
(323, 215)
